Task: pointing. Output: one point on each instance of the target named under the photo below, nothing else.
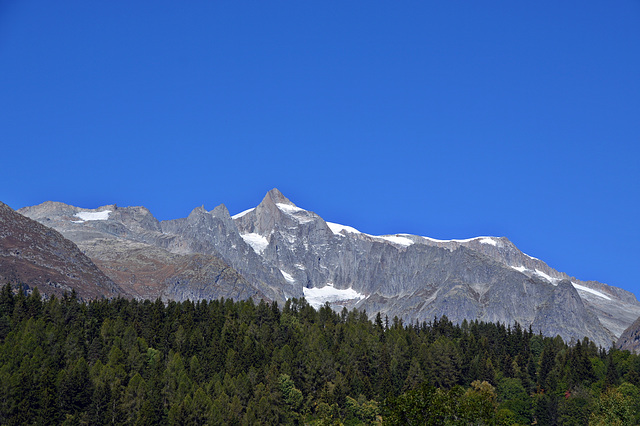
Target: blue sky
(448, 119)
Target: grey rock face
(278, 250)
(630, 338)
(417, 278)
(215, 233)
(564, 314)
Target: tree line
(121, 361)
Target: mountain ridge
(283, 251)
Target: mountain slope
(630, 338)
(417, 278)
(129, 246)
(39, 256)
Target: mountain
(278, 250)
(630, 338)
(419, 278)
(129, 246)
(38, 256)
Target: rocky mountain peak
(133, 217)
(46, 209)
(276, 197)
(273, 212)
(110, 207)
(222, 212)
(198, 211)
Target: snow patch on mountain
(320, 295)
(547, 277)
(396, 239)
(554, 281)
(239, 215)
(487, 240)
(86, 216)
(337, 228)
(257, 242)
(288, 277)
(590, 290)
(301, 215)
(288, 208)
(483, 240)
(537, 272)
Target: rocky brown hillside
(38, 256)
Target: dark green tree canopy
(63, 361)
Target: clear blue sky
(448, 119)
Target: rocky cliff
(630, 338)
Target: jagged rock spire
(275, 196)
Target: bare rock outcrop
(630, 338)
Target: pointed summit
(273, 211)
(275, 196)
(198, 211)
(221, 211)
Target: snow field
(86, 216)
(320, 295)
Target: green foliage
(121, 361)
(614, 408)
(436, 406)
(291, 395)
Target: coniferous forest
(65, 361)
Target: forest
(120, 361)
